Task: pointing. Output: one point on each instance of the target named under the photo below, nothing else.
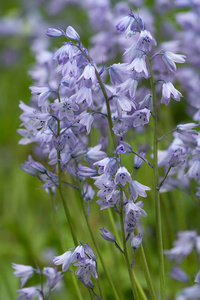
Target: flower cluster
(53, 277)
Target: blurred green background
(28, 230)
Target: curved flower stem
(98, 250)
(156, 182)
(146, 271)
(65, 205)
(132, 280)
(142, 294)
(166, 174)
(76, 286)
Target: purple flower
(43, 92)
(53, 277)
(168, 91)
(89, 73)
(138, 161)
(145, 41)
(64, 260)
(170, 58)
(84, 171)
(137, 188)
(178, 274)
(108, 164)
(123, 24)
(32, 167)
(55, 32)
(107, 235)
(139, 65)
(72, 34)
(23, 271)
(95, 154)
(141, 117)
(136, 241)
(28, 293)
(122, 176)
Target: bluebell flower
(64, 109)
(137, 188)
(32, 167)
(108, 164)
(168, 91)
(55, 32)
(139, 65)
(107, 235)
(182, 246)
(43, 92)
(121, 128)
(89, 73)
(140, 117)
(178, 274)
(170, 58)
(138, 161)
(53, 276)
(145, 41)
(84, 171)
(24, 272)
(64, 260)
(122, 176)
(86, 120)
(123, 24)
(118, 73)
(94, 153)
(86, 269)
(72, 34)
(29, 293)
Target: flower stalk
(156, 182)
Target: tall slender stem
(98, 250)
(156, 182)
(132, 280)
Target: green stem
(146, 271)
(98, 251)
(142, 294)
(166, 174)
(65, 205)
(132, 280)
(156, 191)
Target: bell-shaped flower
(64, 260)
(43, 92)
(108, 164)
(107, 235)
(123, 24)
(118, 73)
(72, 34)
(53, 276)
(84, 171)
(29, 293)
(140, 117)
(89, 73)
(170, 58)
(137, 188)
(86, 269)
(55, 32)
(178, 274)
(86, 121)
(139, 65)
(122, 176)
(23, 271)
(168, 91)
(95, 154)
(145, 41)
